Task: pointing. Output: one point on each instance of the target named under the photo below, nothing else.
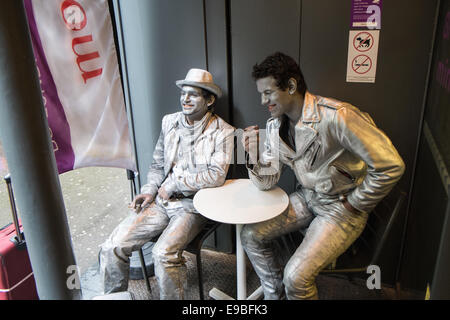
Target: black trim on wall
(123, 68)
(229, 60)
(416, 156)
(205, 34)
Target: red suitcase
(16, 276)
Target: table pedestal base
(216, 294)
(241, 276)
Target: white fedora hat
(200, 78)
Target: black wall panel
(395, 100)
(429, 201)
(427, 226)
(259, 28)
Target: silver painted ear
(211, 100)
(292, 85)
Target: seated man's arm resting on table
(211, 173)
(384, 165)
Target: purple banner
(366, 14)
(58, 125)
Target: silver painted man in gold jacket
(193, 152)
(344, 166)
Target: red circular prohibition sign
(364, 37)
(362, 67)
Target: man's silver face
(272, 97)
(193, 103)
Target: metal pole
(126, 86)
(25, 136)
(240, 266)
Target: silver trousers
(177, 226)
(331, 229)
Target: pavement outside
(96, 200)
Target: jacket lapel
(304, 137)
(304, 133)
(174, 139)
(310, 112)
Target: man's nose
(264, 99)
(186, 98)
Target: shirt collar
(310, 112)
(197, 124)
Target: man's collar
(199, 123)
(310, 112)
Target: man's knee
(294, 280)
(299, 282)
(161, 253)
(111, 256)
(250, 236)
(115, 248)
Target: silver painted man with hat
(193, 152)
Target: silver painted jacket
(339, 151)
(206, 164)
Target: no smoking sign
(361, 64)
(362, 55)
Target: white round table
(239, 202)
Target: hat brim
(207, 86)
